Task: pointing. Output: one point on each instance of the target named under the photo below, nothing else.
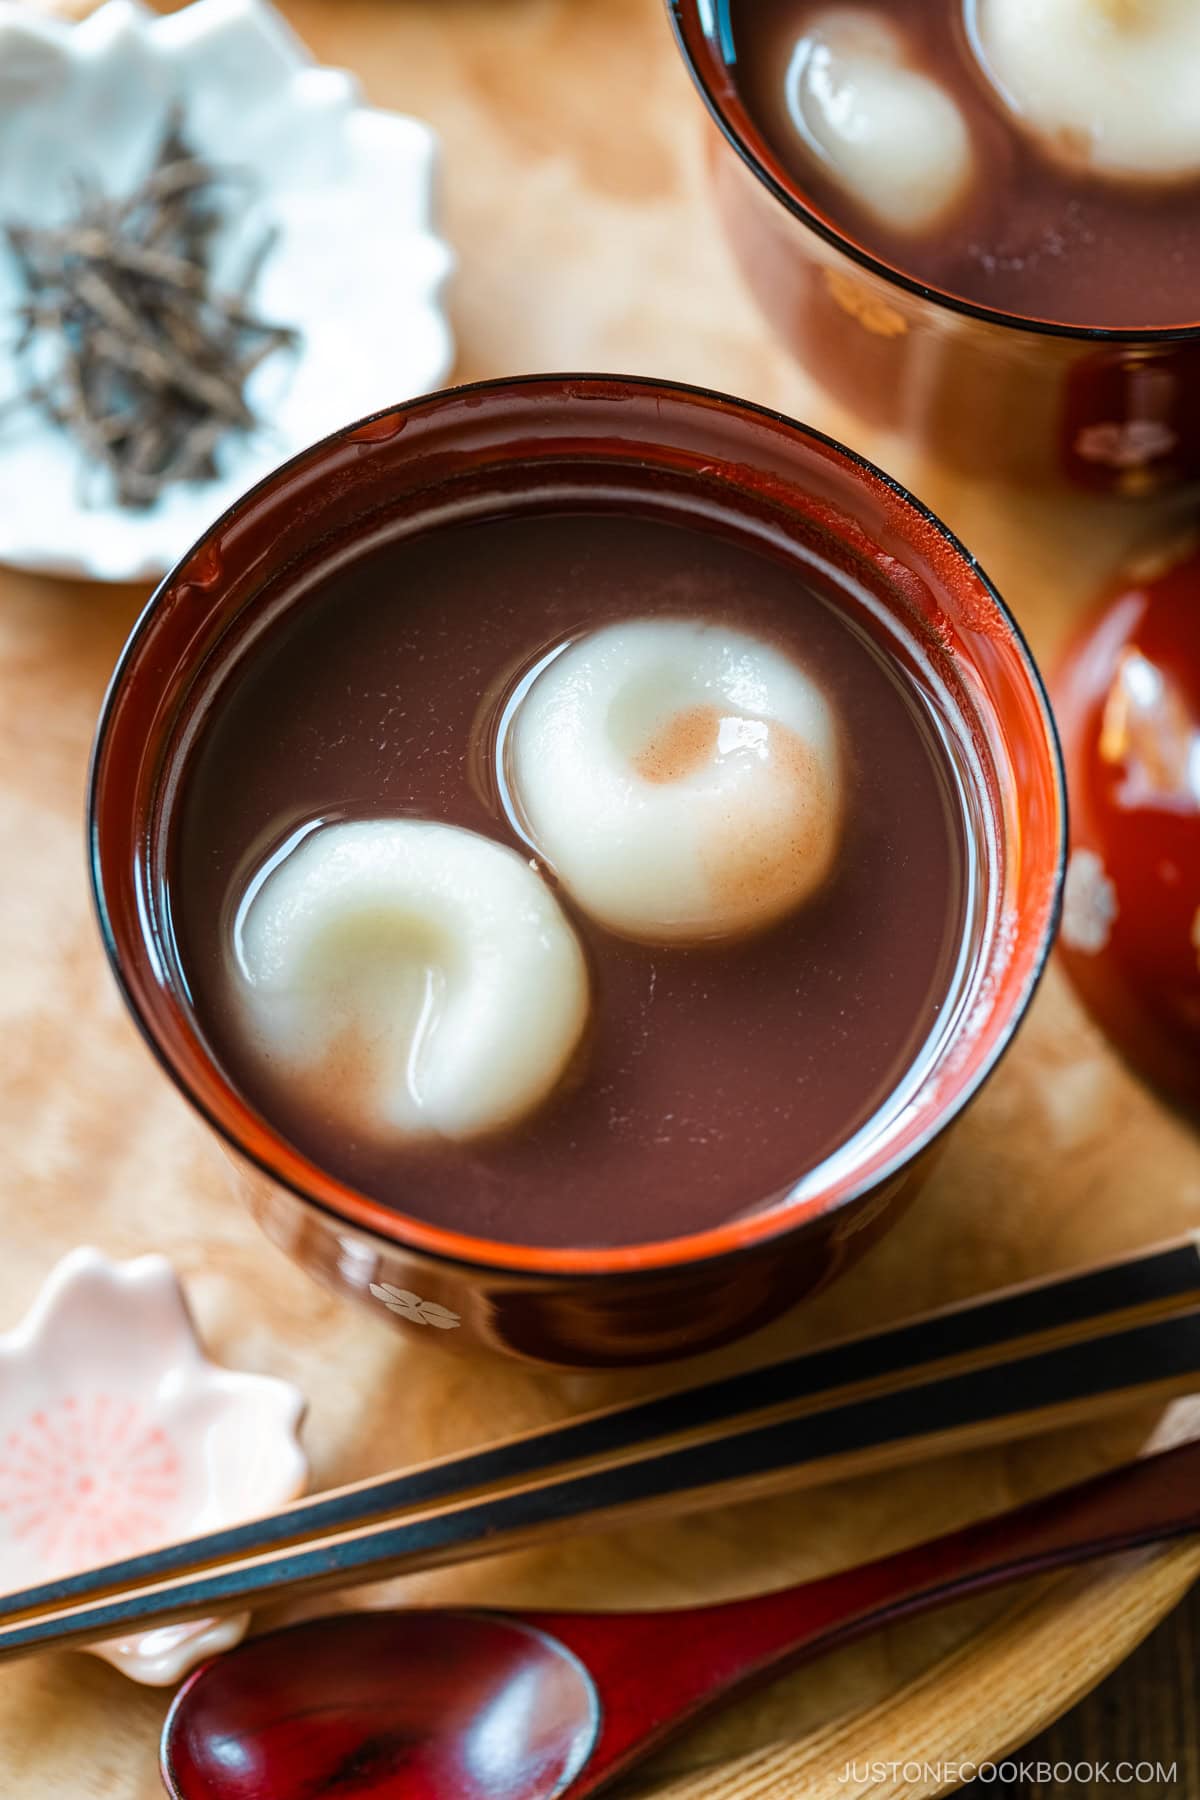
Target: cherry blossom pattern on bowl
(117, 1434)
(356, 265)
(404, 1304)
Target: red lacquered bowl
(1128, 703)
(648, 1302)
(988, 392)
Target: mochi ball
(891, 136)
(424, 978)
(1107, 86)
(681, 779)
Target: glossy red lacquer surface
(412, 1706)
(585, 1306)
(1128, 700)
(994, 395)
(474, 1706)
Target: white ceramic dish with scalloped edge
(117, 1434)
(358, 266)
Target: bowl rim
(692, 1250)
(688, 16)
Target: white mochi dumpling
(892, 137)
(423, 976)
(682, 780)
(1109, 86)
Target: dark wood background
(1148, 1711)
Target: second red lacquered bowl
(1128, 704)
(591, 1306)
(991, 393)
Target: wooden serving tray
(575, 195)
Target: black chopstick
(1117, 1292)
(1025, 1394)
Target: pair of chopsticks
(1030, 1359)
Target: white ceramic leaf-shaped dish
(358, 267)
(117, 1435)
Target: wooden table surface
(575, 198)
(1147, 1712)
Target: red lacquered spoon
(440, 1705)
